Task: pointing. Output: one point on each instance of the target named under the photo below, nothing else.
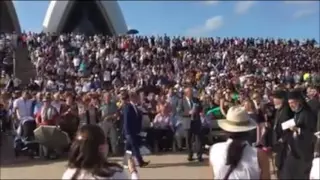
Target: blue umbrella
(132, 31)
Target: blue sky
(286, 19)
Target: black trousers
(294, 168)
(163, 138)
(280, 156)
(132, 144)
(27, 129)
(5, 124)
(194, 135)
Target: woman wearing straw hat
(235, 158)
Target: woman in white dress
(235, 158)
(87, 158)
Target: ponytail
(317, 148)
(75, 175)
(234, 155)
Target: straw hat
(237, 120)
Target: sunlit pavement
(168, 166)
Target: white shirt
(107, 76)
(248, 167)
(86, 87)
(57, 105)
(76, 61)
(315, 170)
(189, 101)
(86, 175)
(23, 107)
(134, 107)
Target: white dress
(248, 167)
(315, 170)
(68, 174)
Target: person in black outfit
(257, 116)
(300, 139)
(314, 102)
(4, 119)
(313, 97)
(282, 114)
(32, 86)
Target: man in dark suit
(283, 113)
(300, 139)
(132, 124)
(314, 102)
(189, 109)
(313, 99)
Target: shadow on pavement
(27, 162)
(8, 160)
(186, 164)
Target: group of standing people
(294, 154)
(295, 147)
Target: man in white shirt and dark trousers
(189, 109)
(22, 106)
(22, 109)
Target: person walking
(282, 114)
(190, 109)
(300, 139)
(132, 124)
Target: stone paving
(168, 166)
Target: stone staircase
(23, 67)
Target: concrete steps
(23, 67)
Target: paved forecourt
(161, 167)
(168, 166)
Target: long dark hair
(317, 148)
(85, 153)
(235, 151)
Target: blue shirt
(37, 108)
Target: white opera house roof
(8, 17)
(73, 15)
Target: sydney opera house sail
(90, 17)
(8, 18)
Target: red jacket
(51, 122)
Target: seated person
(163, 127)
(48, 114)
(22, 110)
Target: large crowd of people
(6, 58)
(174, 89)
